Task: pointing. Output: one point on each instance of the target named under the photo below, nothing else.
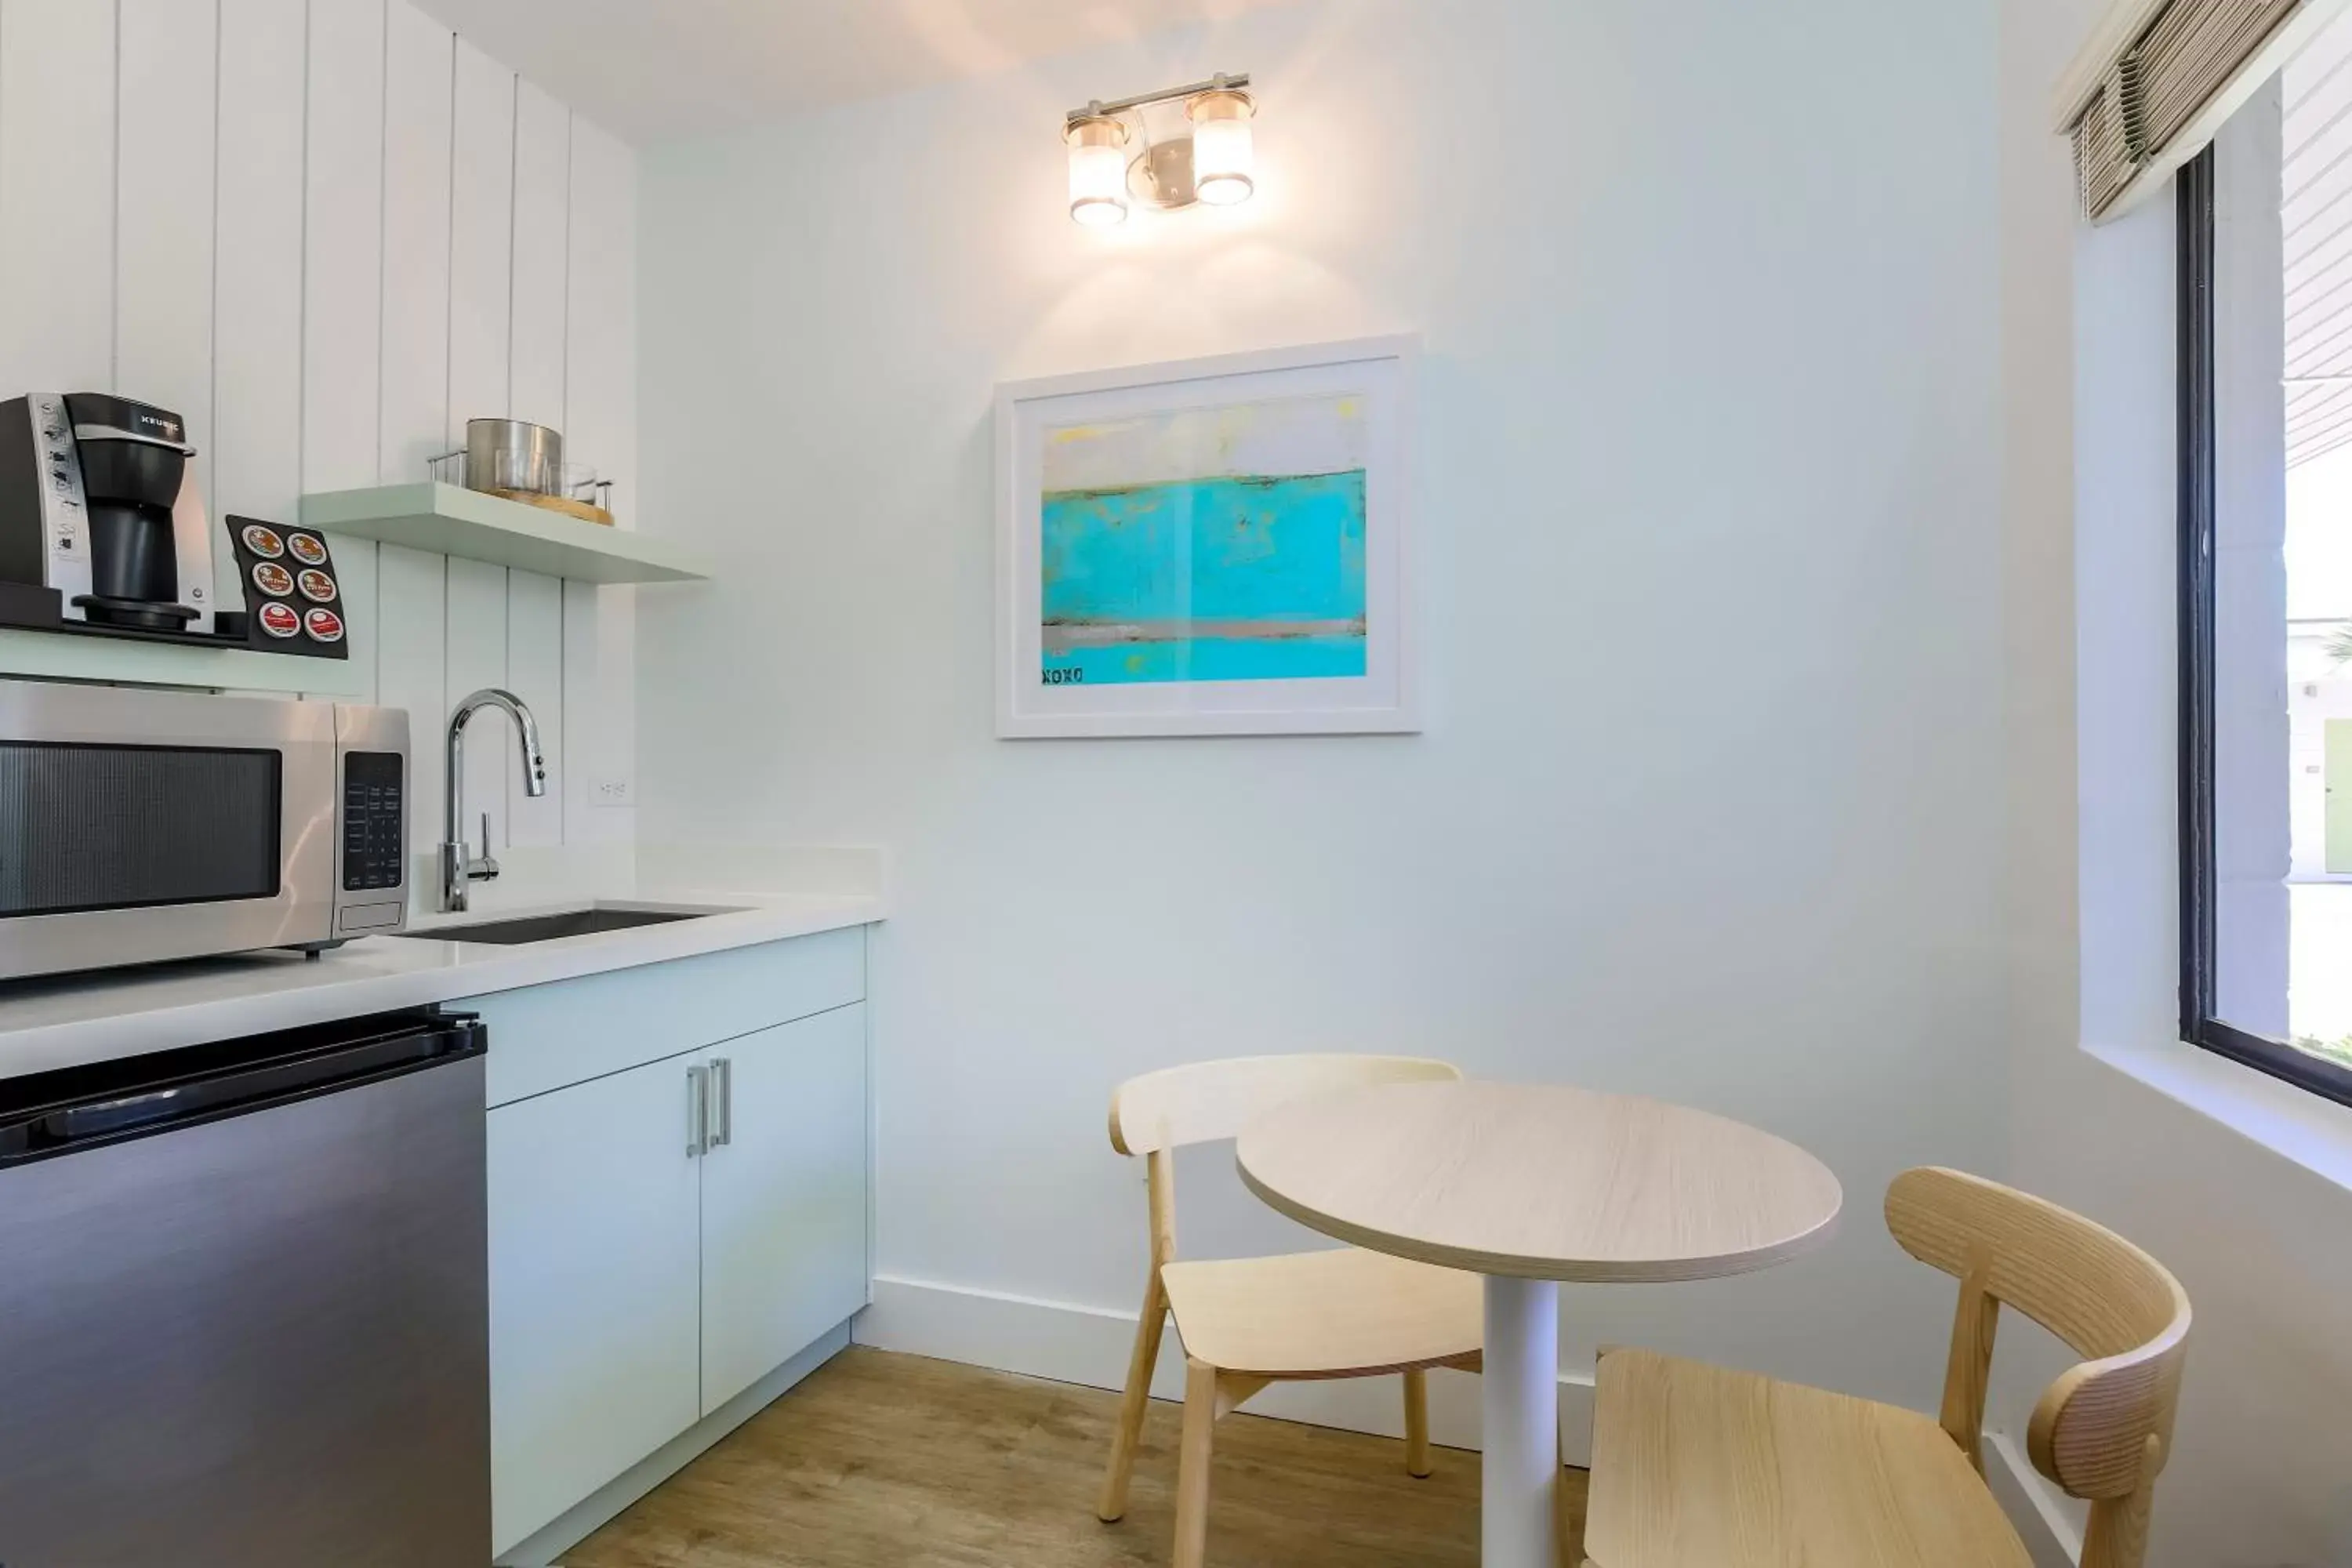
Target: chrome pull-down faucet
(458, 868)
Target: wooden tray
(564, 504)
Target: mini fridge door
(251, 1333)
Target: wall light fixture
(1098, 170)
(1116, 158)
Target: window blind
(2160, 76)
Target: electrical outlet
(611, 789)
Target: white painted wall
(2256, 1478)
(1708, 344)
(327, 232)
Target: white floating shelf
(62, 656)
(448, 520)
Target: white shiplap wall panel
(257, 268)
(543, 262)
(535, 605)
(164, 207)
(356, 567)
(419, 55)
(535, 674)
(342, 285)
(344, 245)
(412, 592)
(477, 642)
(481, 239)
(57, 195)
(602, 359)
(482, 287)
(601, 401)
(352, 230)
(412, 655)
(592, 617)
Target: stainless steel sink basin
(550, 928)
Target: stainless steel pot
(513, 455)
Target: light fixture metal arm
(1099, 110)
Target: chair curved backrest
(2101, 1431)
(1153, 1116)
(1203, 1102)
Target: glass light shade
(1097, 173)
(1225, 156)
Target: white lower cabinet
(640, 1279)
(595, 1312)
(784, 1199)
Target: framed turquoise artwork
(1215, 547)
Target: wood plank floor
(892, 1461)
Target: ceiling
(648, 69)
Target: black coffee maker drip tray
(146, 615)
(26, 606)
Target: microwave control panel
(374, 835)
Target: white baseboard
(2038, 1511)
(1090, 1345)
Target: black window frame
(2199, 929)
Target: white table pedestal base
(1520, 1405)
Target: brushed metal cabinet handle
(722, 1079)
(698, 1111)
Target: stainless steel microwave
(137, 826)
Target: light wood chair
(1248, 1322)
(1694, 1464)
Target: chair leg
(1137, 1400)
(1416, 1423)
(1192, 1464)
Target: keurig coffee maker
(97, 502)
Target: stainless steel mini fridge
(244, 1316)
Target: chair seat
(1341, 1314)
(1697, 1467)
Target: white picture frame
(1313, 406)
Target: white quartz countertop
(69, 1020)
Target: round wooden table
(1531, 1184)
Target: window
(2266, 575)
